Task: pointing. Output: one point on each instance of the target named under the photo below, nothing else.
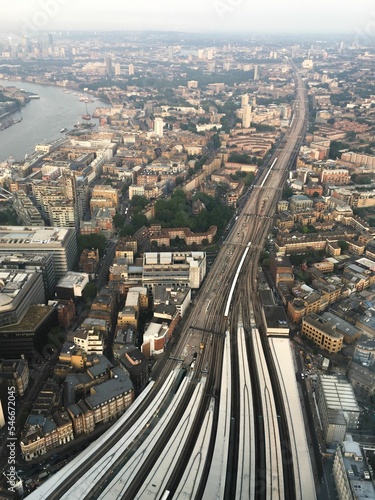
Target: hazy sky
(280, 16)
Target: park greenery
(336, 148)
(177, 212)
(8, 217)
(97, 241)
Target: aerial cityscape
(187, 251)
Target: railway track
(208, 319)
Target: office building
(19, 290)
(180, 297)
(155, 338)
(351, 473)
(71, 285)
(41, 263)
(88, 339)
(349, 332)
(323, 333)
(30, 333)
(364, 352)
(186, 269)
(60, 242)
(338, 407)
(362, 379)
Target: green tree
(97, 241)
(139, 220)
(336, 147)
(119, 220)
(343, 245)
(287, 193)
(351, 135)
(249, 179)
(139, 202)
(240, 158)
(89, 292)
(8, 217)
(127, 230)
(182, 219)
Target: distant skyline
(227, 16)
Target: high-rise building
(246, 117)
(131, 69)
(117, 69)
(158, 126)
(244, 100)
(256, 72)
(108, 65)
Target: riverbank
(9, 123)
(9, 113)
(72, 88)
(42, 118)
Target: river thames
(42, 119)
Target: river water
(42, 119)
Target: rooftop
(32, 235)
(110, 389)
(338, 394)
(342, 326)
(33, 317)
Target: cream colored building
(174, 268)
(322, 332)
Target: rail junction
(227, 430)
